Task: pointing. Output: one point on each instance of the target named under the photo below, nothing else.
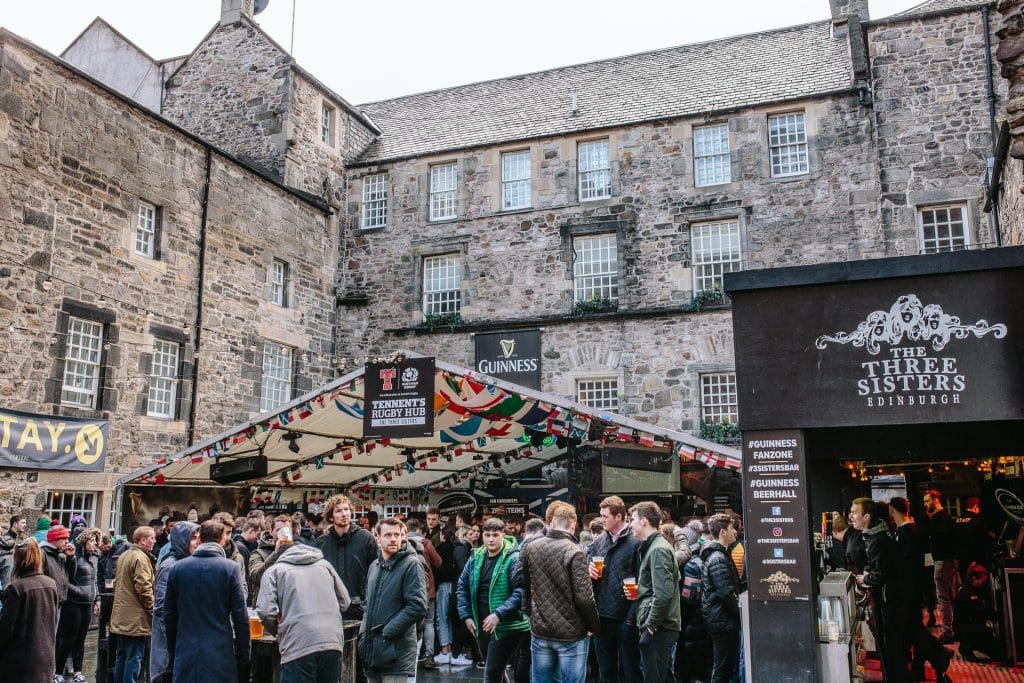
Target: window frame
(700, 145)
(149, 232)
(156, 381)
(585, 172)
(611, 404)
(95, 376)
(582, 280)
(965, 224)
(279, 286)
(700, 279)
(800, 146)
(443, 305)
(732, 407)
(517, 186)
(276, 390)
(446, 197)
(328, 118)
(64, 513)
(374, 201)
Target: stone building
(599, 204)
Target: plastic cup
(255, 625)
(631, 589)
(598, 561)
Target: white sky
(368, 50)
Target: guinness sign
(511, 356)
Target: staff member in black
(910, 544)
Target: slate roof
(771, 66)
(930, 6)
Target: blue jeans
(130, 651)
(442, 609)
(319, 667)
(552, 657)
(618, 649)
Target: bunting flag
(624, 434)
(197, 458)
(354, 409)
(646, 439)
(684, 451)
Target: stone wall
(313, 165)
(233, 91)
(517, 266)
(1010, 54)
(75, 161)
(933, 131)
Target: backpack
(691, 582)
(448, 572)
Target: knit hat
(692, 537)
(56, 533)
(43, 523)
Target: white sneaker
(442, 658)
(57, 678)
(461, 660)
(78, 678)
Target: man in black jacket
(883, 578)
(617, 642)
(396, 600)
(350, 549)
(720, 606)
(911, 548)
(940, 535)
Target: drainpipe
(991, 114)
(198, 324)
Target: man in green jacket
(658, 616)
(490, 598)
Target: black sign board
(511, 356)
(399, 399)
(775, 515)
(50, 442)
(882, 351)
(457, 502)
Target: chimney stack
(232, 11)
(843, 11)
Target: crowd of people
(624, 595)
(918, 578)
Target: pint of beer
(255, 625)
(630, 586)
(598, 561)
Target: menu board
(775, 515)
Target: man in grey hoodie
(301, 599)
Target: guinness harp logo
(508, 347)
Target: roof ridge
(607, 60)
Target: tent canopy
(480, 424)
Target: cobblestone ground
(424, 675)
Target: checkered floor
(960, 671)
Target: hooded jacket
(351, 555)
(505, 594)
(82, 587)
(205, 618)
(305, 593)
(720, 586)
(558, 588)
(396, 601)
(181, 534)
(884, 570)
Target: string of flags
(486, 414)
